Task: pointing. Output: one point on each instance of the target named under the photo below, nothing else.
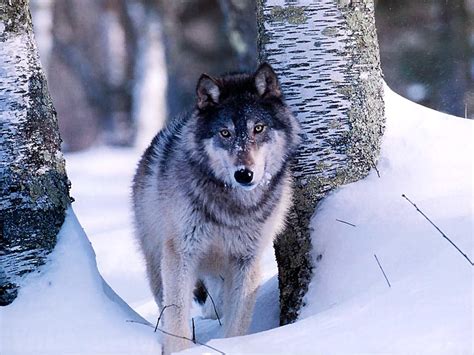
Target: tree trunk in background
(122, 53)
(77, 72)
(326, 54)
(42, 16)
(195, 42)
(33, 182)
(455, 81)
(149, 94)
(242, 31)
(91, 69)
(426, 52)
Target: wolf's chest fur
(220, 217)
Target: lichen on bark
(34, 188)
(291, 14)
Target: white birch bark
(326, 54)
(33, 182)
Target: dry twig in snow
(439, 230)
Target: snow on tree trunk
(327, 57)
(34, 189)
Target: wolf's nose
(243, 176)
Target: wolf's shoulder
(161, 146)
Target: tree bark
(326, 54)
(33, 182)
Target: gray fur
(193, 220)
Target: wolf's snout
(243, 176)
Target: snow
(68, 308)
(426, 155)
(101, 184)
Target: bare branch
(213, 304)
(195, 342)
(439, 230)
(375, 168)
(161, 314)
(340, 220)
(135, 321)
(383, 272)
(177, 336)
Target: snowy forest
(377, 250)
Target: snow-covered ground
(426, 155)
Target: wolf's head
(244, 127)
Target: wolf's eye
(258, 128)
(225, 133)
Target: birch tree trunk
(34, 189)
(326, 54)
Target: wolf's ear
(207, 91)
(266, 81)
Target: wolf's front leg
(177, 270)
(241, 287)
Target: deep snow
(350, 308)
(68, 308)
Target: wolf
(209, 193)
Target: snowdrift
(69, 308)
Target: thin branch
(439, 230)
(194, 331)
(213, 304)
(135, 321)
(340, 220)
(375, 167)
(185, 338)
(161, 314)
(177, 336)
(383, 272)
